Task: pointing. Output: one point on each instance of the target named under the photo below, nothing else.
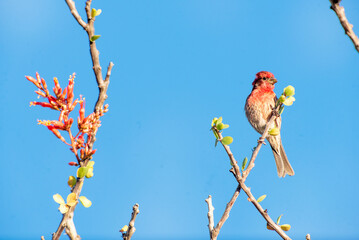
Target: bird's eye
(264, 78)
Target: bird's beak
(272, 80)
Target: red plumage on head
(262, 74)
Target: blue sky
(178, 64)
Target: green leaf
(94, 38)
(261, 198)
(63, 208)
(215, 134)
(219, 120)
(90, 164)
(89, 173)
(281, 110)
(71, 199)
(82, 171)
(214, 122)
(225, 126)
(278, 219)
(215, 143)
(124, 229)
(221, 126)
(227, 140)
(289, 101)
(244, 163)
(95, 12)
(87, 203)
(58, 198)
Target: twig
(241, 178)
(307, 237)
(228, 209)
(67, 218)
(131, 225)
(348, 28)
(214, 231)
(210, 216)
(260, 143)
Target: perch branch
(67, 218)
(241, 178)
(131, 225)
(348, 28)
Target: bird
(258, 108)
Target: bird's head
(264, 79)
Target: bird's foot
(276, 113)
(261, 140)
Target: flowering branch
(348, 28)
(81, 143)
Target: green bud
(261, 198)
(72, 181)
(219, 126)
(281, 99)
(274, 132)
(285, 227)
(289, 91)
(214, 121)
(94, 38)
(244, 163)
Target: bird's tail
(287, 167)
(281, 160)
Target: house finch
(259, 106)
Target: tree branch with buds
(348, 28)
(217, 127)
(128, 231)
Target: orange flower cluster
(63, 101)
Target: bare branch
(131, 225)
(75, 13)
(215, 231)
(307, 237)
(348, 28)
(210, 216)
(228, 209)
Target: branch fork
(241, 178)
